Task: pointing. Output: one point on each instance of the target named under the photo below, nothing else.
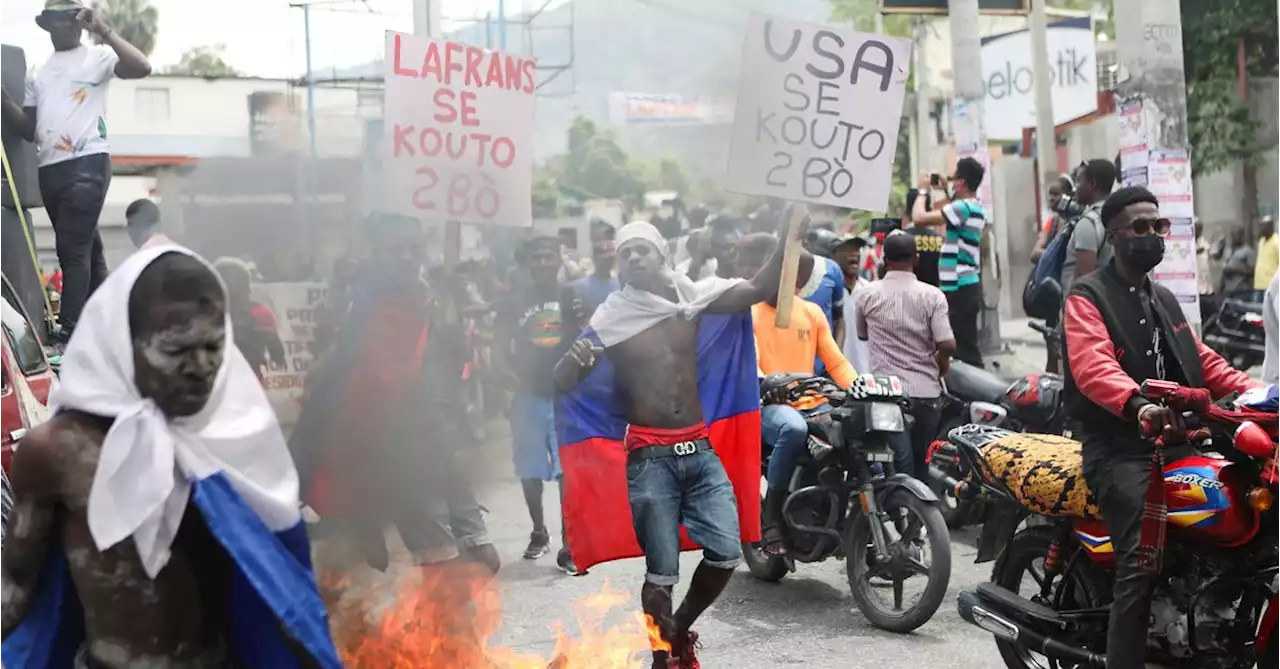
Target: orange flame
(444, 618)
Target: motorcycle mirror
(1252, 440)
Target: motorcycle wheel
(1079, 588)
(904, 564)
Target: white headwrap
(148, 462)
(642, 231)
(630, 311)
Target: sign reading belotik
(1010, 103)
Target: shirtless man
(656, 381)
(177, 620)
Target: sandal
(772, 544)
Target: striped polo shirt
(959, 263)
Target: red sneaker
(684, 652)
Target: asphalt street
(808, 619)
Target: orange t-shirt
(793, 350)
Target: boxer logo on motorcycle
(1123, 329)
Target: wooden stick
(790, 262)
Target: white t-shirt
(70, 96)
(707, 271)
(855, 350)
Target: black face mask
(1144, 253)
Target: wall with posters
(294, 305)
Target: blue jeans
(693, 491)
(783, 427)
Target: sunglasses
(1142, 227)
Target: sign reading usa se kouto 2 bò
(458, 138)
(817, 114)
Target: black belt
(676, 450)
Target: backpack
(1042, 295)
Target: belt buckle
(683, 448)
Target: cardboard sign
(294, 306)
(458, 135)
(817, 114)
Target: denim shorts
(533, 437)
(693, 491)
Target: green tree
(134, 20)
(1220, 127)
(203, 61)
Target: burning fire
(443, 618)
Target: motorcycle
(845, 501)
(1215, 603)
(1236, 330)
(972, 395)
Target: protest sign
(458, 135)
(294, 306)
(1134, 140)
(817, 113)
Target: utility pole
(311, 80)
(1149, 48)
(1046, 138)
(971, 140)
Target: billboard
(1007, 79)
(940, 6)
(666, 109)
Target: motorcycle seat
(1045, 472)
(974, 383)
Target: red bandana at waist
(639, 436)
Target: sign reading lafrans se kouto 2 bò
(817, 114)
(458, 138)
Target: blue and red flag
(590, 425)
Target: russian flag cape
(590, 424)
(229, 461)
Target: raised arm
(132, 64)
(577, 362)
(31, 523)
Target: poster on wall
(1169, 179)
(817, 114)
(294, 306)
(1134, 140)
(1177, 271)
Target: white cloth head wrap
(641, 231)
(148, 462)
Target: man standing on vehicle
(648, 333)
(905, 323)
(1087, 247)
(64, 113)
(962, 221)
(789, 350)
(1123, 329)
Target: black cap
(846, 239)
(899, 246)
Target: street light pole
(311, 79)
(1046, 141)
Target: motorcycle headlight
(885, 417)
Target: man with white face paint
(159, 494)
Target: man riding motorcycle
(1122, 329)
(791, 350)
